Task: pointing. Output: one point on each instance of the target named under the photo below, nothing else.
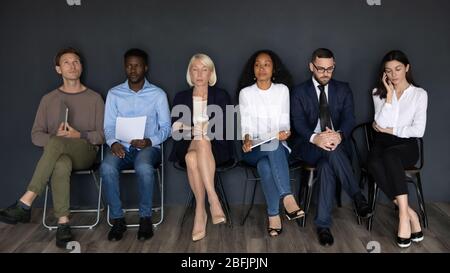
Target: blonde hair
(205, 60)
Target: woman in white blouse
(264, 110)
(400, 118)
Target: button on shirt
(150, 101)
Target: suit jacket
(305, 110)
(222, 149)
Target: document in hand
(128, 129)
(257, 142)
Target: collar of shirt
(316, 83)
(146, 87)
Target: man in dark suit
(322, 117)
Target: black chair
(412, 174)
(98, 184)
(218, 183)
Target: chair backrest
(421, 155)
(362, 137)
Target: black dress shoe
(145, 231)
(117, 230)
(325, 236)
(362, 207)
(403, 242)
(15, 214)
(63, 235)
(417, 236)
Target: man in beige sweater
(67, 146)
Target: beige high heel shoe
(218, 219)
(200, 234)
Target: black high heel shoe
(403, 242)
(276, 230)
(295, 214)
(417, 236)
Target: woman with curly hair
(264, 110)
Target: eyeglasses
(323, 69)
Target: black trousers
(387, 161)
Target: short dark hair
(322, 53)
(65, 51)
(136, 52)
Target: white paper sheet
(128, 129)
(256, 143)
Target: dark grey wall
(229, 31)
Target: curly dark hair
(280, 73)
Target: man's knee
(63, 166)
(108, 168)
(323, 163)
(144, 169)
(337, 153)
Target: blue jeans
(144, 162)
(273, 168)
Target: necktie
(324, 111)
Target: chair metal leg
(308, 196)
(223, 200)
(188, 205)
(362, 182)
(97, 210)
(253, 196)
(420, 199)
(373, 206)
(160, 174)
(338, 194)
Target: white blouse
(407, 116)
(264, 113)
(200, 114)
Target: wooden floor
(170, 236)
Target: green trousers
(61, 156)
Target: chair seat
(412, 170)
(307, 166)
(244, 164)
(92, 169)
(230, 164)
